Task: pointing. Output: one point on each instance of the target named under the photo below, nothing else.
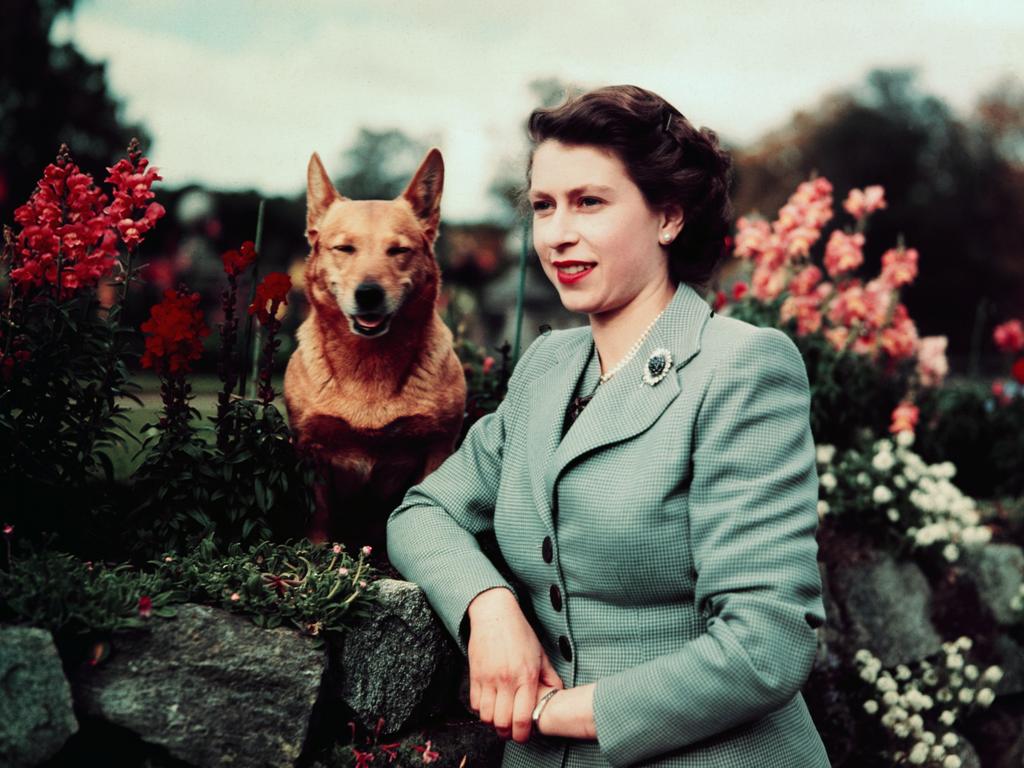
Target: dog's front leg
(341, 480)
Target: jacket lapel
(623, 407)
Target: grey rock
(1009, 655)
(210, 687)
(968, 755)
(36, 715)
(398, 663)
(886, 607)
(997, 571)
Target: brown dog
(374, 390)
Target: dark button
(563, 645)
(547, 549)
(556, 597)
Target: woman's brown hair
(668, 159)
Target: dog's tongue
(370, 321)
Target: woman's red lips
(565, 278)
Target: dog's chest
(339, 432)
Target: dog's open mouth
(370, 324)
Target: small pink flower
(168, 559)
(362, 583)
(488, 364)
(367, 550)
(336, 549)
(343, 571)
(8, 529)
(932, 365)
(904, 417)
(859, 203)
(235, 597)
(899, 266)
(145, 606)
(843, 252)
(739, 290)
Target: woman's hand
(506, 664)
(569, 713)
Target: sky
(238, 93)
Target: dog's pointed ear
(320, 193)
(424, 191)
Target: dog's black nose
(369, 296)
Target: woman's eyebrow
(576, 190)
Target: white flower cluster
(919, 499)
(917, 710)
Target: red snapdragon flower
(63, 223)
(68, 227)
(1018, 370)
(236, 262)
(175, 332)
(720, 300)
(274, 291)
(133, 183)
(1009, 336)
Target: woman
(650, 480)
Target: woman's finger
(548, 674)
(503, 710)
(474, 691)
(487, 695)
(522, 711)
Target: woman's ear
(672, 219)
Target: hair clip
(668, 121)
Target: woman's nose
(559, 230)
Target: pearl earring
(666, 237)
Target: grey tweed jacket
(665, 548)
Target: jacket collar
(623, 406)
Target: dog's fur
(379, 403)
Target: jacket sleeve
(752, 523)
(431, 535)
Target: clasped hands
(509, 673)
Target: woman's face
(599, 242)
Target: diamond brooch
(659, 363)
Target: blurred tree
(379, 164)
(948, 185)
(508, 183)
(51, 94)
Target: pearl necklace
(579, 403)
(632, 351)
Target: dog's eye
(345, 248)
(397, 250)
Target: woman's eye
(398, 250)
(541, 205)
(590, 202)
(345, 248)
